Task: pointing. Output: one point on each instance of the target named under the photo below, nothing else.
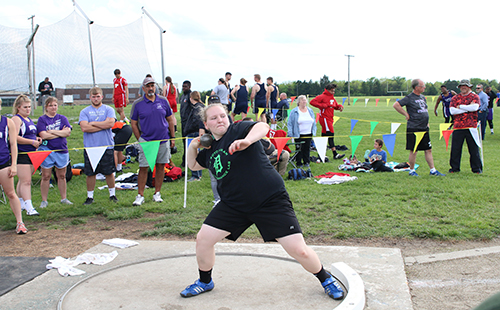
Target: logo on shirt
(158, 106)
(221, 164)
(423, 106)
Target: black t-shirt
(246, 179)
(45, 88)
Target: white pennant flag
(320, 143)
(394, 127)
(95, 154)
(366, 101)
(475, 134)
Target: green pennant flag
(150, 150)
(373, 125)
(354, 101)
(355, 142)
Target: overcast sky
(298, 40)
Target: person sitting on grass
(378, 157)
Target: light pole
(32, 17)
(349, 79)
(161, 41)
(89, 22)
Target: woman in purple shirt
(27, 141)
(54, 128)
(8, 167)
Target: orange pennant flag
(293, 98)
(37, 158)
(376, 101)
(446, 135)
(317, 117)
(280, 144)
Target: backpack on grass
(299, 174)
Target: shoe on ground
(44, 204)
(332, 288)
(194, 179)
(65, 201)
(413, 174)
(197, 288)
(157, 197)
(113, 199)
(339, 156)
(453, 171)
(437, 173)
(21, 229)
(139, 200)
(89, 201)
(32, 212)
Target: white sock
(412, 170)
(90, 194)
(433, 169)
(119, 167)
(29, 205)
(22, 202)
(111, 191)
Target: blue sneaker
(197, 288)
(332, 288)
(413, 174)
(437, 173)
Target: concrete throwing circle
(242, 281)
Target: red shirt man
(120, 94)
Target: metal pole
(28, 47)
(32, 17)
(349, 79)
(89, 22)
(161, 41)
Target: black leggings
(304, 149)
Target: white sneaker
(66, 201)
(32, 212)
(157, 197)
(139, 200)
(44, 204)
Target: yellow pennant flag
(433, 97)
(335, 119)
(388, 99)
(419, 135)
(261, 110)
(443, 127)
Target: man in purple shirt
(152, 120)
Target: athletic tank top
(28, 131)
(242, 95)
(446, 99)
(272, 99)
(4, 141)
(260, 97)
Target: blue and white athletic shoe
(332, 288)
(413, 174)
(437, 173)
(197, 288)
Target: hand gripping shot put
(232, 154)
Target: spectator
(302, 127)
(120, 94)
(445, 97)
(378, 157)
(464, 108)
(155, 118)
(122, 133)
(54, 128)
(482, 113)
(45, 88)
(259, 94)
(27, 141)
(327, 105)
(272, 99)
(186, 107)
(96, 122)
(228, 77)
(283, 106)
(170, 92)
(192, 128)
(222, 91)
(8, 168)
(492, 96)
(418, 121)
(240, 97)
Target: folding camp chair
(3, 199)
(295, 152)
(282, 119)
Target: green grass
(461, 206)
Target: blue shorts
(57, 159)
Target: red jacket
(326, 104)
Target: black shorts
(106, 165)
(122, 137)
(5, 165)
(23, 159)
(274, 219)
(425, 143)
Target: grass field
(458, 206)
